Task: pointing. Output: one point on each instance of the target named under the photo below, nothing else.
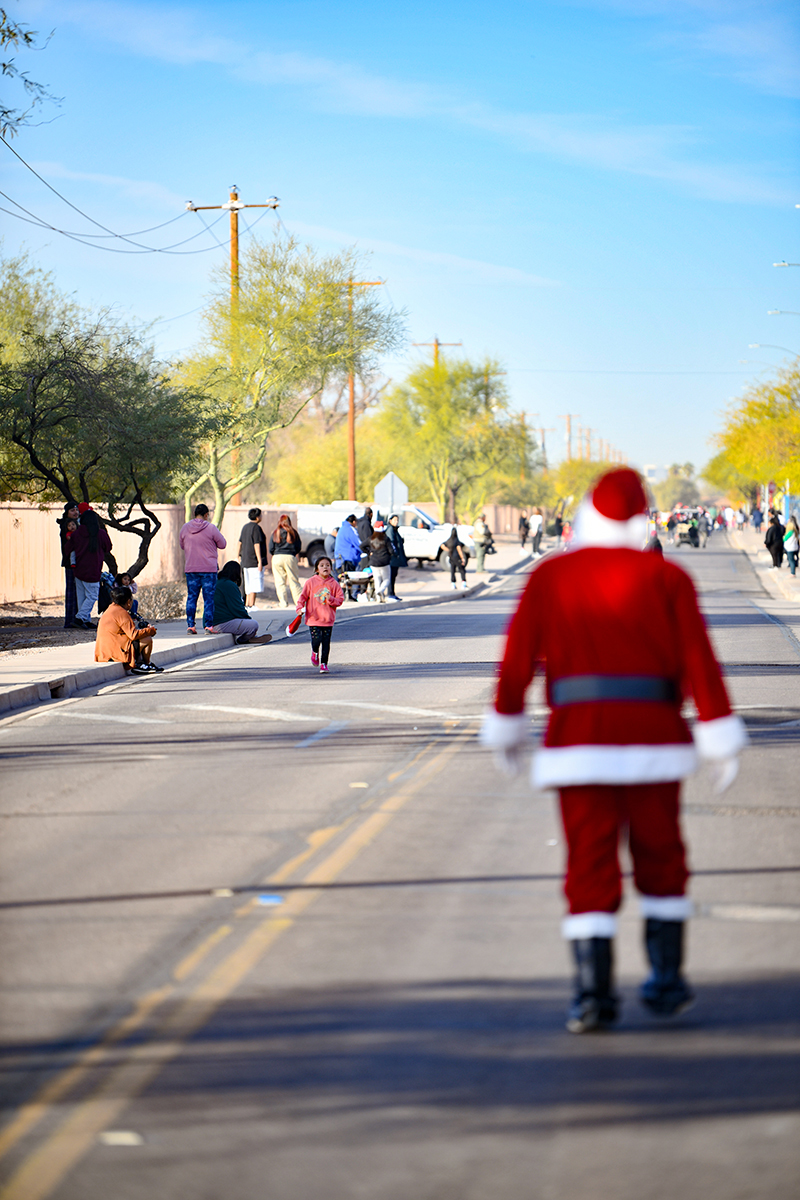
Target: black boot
(666, 993)
(594, 1005)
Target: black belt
(583, 689)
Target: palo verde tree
(450, 423)
(760, 438)
(297, 329)
(85, 414)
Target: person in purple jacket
(200, 542)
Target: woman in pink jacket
(320, 597)
(200, 541)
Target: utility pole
(436, 344)
(233, 206)
(351, 388)
(587, 433)
(541, 431)
(568, 435)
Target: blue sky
(592, 191)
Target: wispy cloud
(139, 189)
(484, 272)
(665, 152)
(756, 42)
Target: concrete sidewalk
(778, 582)
(29, 677)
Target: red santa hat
(83, 507)
(614, 513)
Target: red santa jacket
(610, 613)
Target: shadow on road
(492, 1045)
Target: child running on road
(321, 596)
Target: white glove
(508, 761)
(723, 773)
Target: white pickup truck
(422, 536)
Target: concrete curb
(780, 584)
(61, 686)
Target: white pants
(284, 568)
(381, 576)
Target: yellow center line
(30, 1114)
(47, 1165)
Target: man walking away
(200, 542)
(536, 522)
(621, 640)
(480, 536)
(364, 530)
(524, 529)
(253, 556)
(348, 547)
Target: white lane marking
(261, 714)
(108, 717)
(394, 708)
(750, 912)
(334, 727)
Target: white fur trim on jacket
(501, 731)
(593, 529)
(666, 908)
(721, 738)
(589, 925)
(565, 766)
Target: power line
(32, 219)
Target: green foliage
(760, 437)
(451, 433)
(306, 465)
(32, 304)
(298, 329)
(86, 415)
(728, 481)
(14, 34)
(678, 488)
(573, 479)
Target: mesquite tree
(85, 414)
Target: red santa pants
(595, 817)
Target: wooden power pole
(233, 206)
(351, 388)
(436, 344)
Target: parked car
(422, 535)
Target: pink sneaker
(314, 659)
(323, 669)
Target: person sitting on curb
(230, 614)
(119, 639)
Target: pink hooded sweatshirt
(200, 541)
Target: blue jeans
(792, 557)
(195, 582)
(87, 598)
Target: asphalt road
(272, 935)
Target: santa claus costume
(619, 635)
